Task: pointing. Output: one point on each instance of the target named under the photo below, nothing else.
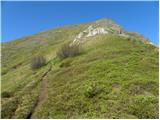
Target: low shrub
(6, 94)
(66, 63)
(92, 90)
(37, 62)
(68, 50)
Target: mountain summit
(90, 70)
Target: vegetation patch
(37, 62)
(92, 90)
(25, 106)
(138, 87)
(144, 107)
(68, 50)
(8, 108)
(6, 94)
(65, 63)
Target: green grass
(112, 78)
(119, 76)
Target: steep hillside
(115, 76)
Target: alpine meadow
(90, 70)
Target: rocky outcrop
(103, 26)
(90, 31)
(106, 26)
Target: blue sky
(25, 18)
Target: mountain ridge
(102, 22)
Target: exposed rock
(93, 32)
(90, 31)
(103, 26)
(106, 26)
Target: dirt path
(42, 94)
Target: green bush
(68, 50)
(92, 90)
(37, 62)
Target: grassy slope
(122, 73)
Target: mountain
(115, 74)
